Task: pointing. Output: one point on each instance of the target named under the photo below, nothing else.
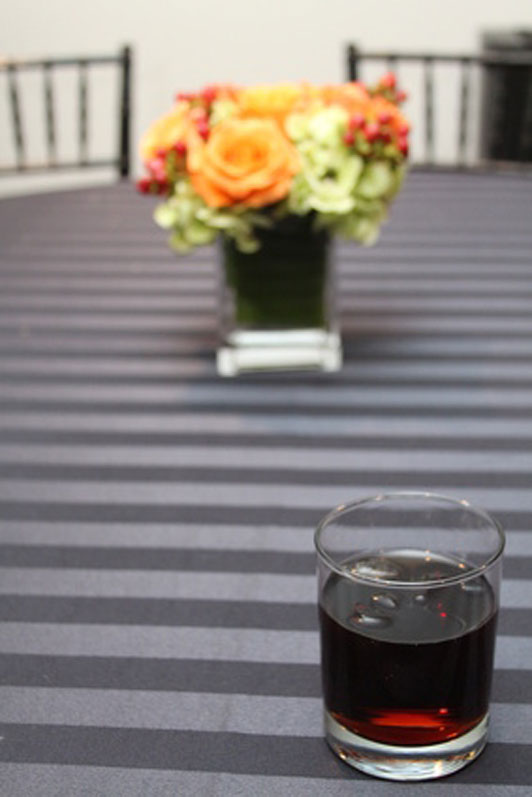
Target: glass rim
(474, 572)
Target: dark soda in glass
(407, 667)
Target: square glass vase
(277, 306)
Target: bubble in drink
(385, 601)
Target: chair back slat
(49, 113)
(428, 81)
(125, 114)
(391, 63)
(352, 62)
(83, 112)
(16, 115)
(465, 91)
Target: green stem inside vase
(284, 283)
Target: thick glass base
(275, 350)
(405, 763)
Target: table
(158, 623)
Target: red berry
(402, 146)
(388, 81)
(372, 131)
(349, 138)
(209, 93)
(385, 117)
(143, 185)
(203, 129)
(385, 136)
(181, 148)
(403, 129)
(156, 168)
(160, 153)
(356, 121)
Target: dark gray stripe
(155, 473)
(179, 494)
(215, 614)
(206, 613)
(139, 350)
(355, 334)
(154, 513)
(25, 376)
(233, 561)
(38, 313)
(197, 675)
(167, 408)
(227, 752)
(215, 440)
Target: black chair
(11, 71)
(481, 129)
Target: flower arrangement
(234, 160)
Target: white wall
(183, 44)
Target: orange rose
(166, 131)
(246, 161)
(351, 96)
(274, 101)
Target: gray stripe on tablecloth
(296, 647)
(489, 408)
(37, 780)
(110, 307)
(175, 559)
(202, 711)
(351, 324)
(143, 460)
(206, 376)
(236, 753)
(188, 585)
(200, 612)
(195, 585)
(409, 479)
(154, 514)
(171, 495)
(265, 425)
(443, 349)
(42, 304)
(364, 373)
(170, 439)
(231, 677)
(501, 250)
(350, 268)
(364, 281)
(517, 410)
(171, 612)
(208, 536)
(124, 336)
(191, 585)
(218, 536)
(275, 396)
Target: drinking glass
(408, 599)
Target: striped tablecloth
(157, 597)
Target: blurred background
(184, 45)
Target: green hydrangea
(193, 223)
(348, 196)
